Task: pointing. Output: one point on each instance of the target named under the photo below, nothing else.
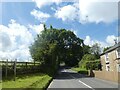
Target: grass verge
(80, 70)
(30, 81)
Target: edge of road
(81, 81)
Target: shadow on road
(67, 73)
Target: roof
(112, 48)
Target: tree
(44, 49)
(86, 58)
(71, 48)
(93, 65)
(95, 49)
(53, 46)
(105, 49)
(86, 49)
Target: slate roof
(112, 48)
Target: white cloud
(40, 15)
(41, 3)
(37, 28)
(109, 41)
(98, 11)
(69, 12)
(86, 11)
(5, 39)
(88, 41)
(14, 41)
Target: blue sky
(95, 22)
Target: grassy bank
(80, 70)
(28, 81)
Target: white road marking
(86, 85)
(83, 83)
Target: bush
(93, 65)
(86, 57)
(80, 70)
(83, 72)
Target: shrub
(86, 57)
(83, 72)
(80, 70)
(93, 65)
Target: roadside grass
(28, 81)
(80, 70)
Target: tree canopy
(106, 48)
(95, 49)
(53, 46)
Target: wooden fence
(15, 67)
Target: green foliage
(93, 65)
(45, 50)
(20, 69)
(80, 70)
(86, 49)
(37, 80)
(95, 49)
(85, 58)
(83, 72)
(89, 62)
(53, 46)
(106, 49)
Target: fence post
(6, 68)
(34, 66)
(34, 63)
(26, 64)
(15, 69)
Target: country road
(70, 79)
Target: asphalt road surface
(67, 79)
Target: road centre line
(82, 83)
(86, 85)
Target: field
(18, 68)
(37, 80)
(23, 75)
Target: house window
(106, 58)
(118, 53)
(118, 67)
(107, 68)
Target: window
(118, 67)
(107, 68)
(118, 53)
(106, 58)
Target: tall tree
(95, 49)
(55, 45)
(86, 49)
(105, 49)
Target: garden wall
(106, 75)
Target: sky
(93, 21)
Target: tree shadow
(62, 74)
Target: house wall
(112, 74)
(102, 58)
(107, 75)
(112, 61)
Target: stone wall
(106, 75)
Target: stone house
(110, 59)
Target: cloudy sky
(92, 20)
